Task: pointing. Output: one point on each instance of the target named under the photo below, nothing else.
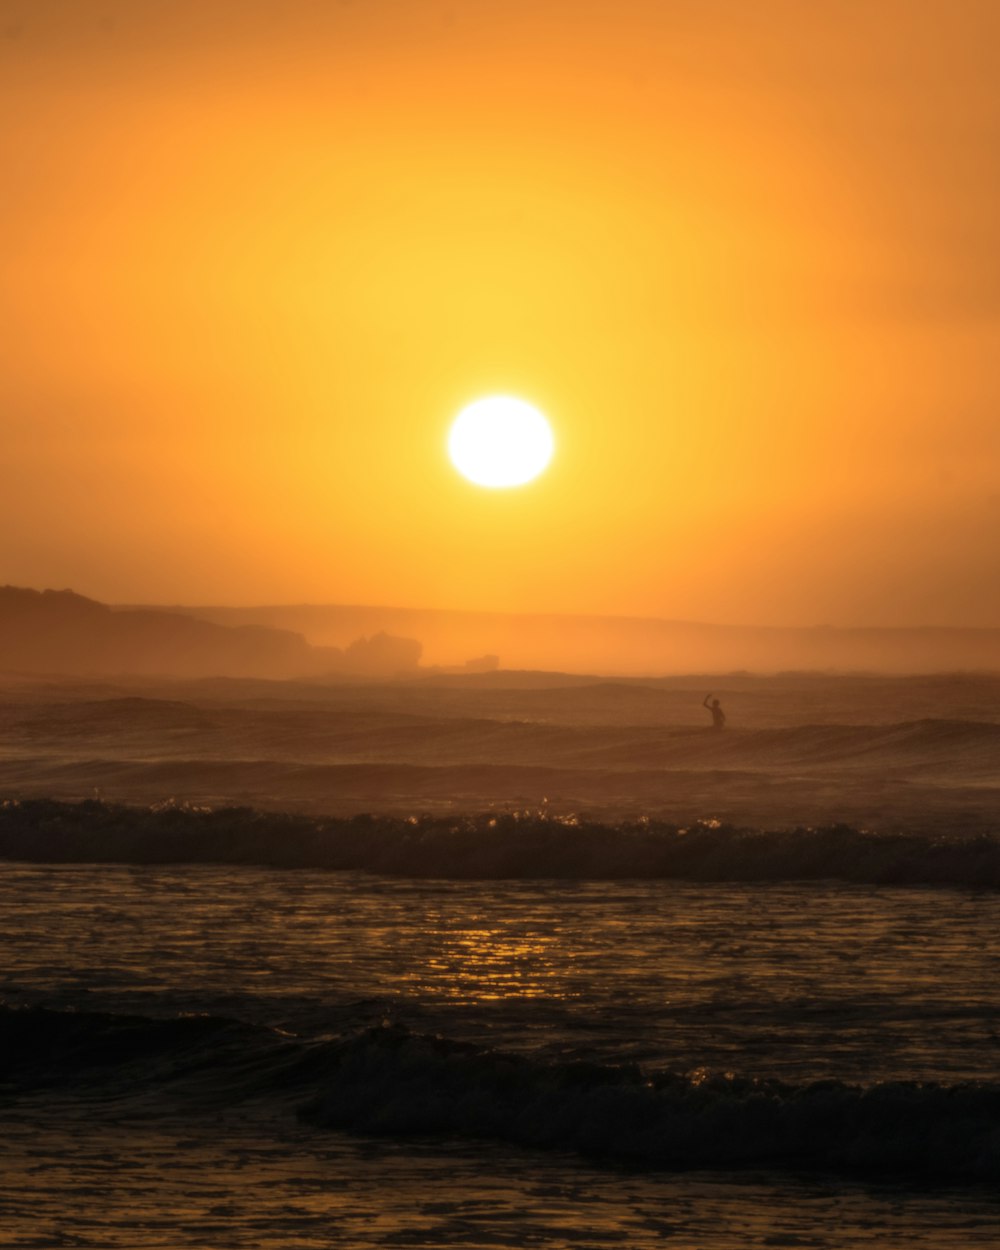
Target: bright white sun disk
(500, 441)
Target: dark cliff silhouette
(60, 632)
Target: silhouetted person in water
(718, 715)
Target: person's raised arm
(704, 702)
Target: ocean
(465, 1020)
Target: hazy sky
(256, 254)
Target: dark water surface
(795, 981)
(239, 1056)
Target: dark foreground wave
(391, 1082)
(517, 845)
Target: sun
(500, 441)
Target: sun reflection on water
(483, 965)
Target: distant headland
(62, 632)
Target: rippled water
(250, 1184)
(800, 982)
(797, 981)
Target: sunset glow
(500, 623)
(259, 255)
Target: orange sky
(258, 253)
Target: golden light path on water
(797, 981)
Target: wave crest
(389, 1081)
(516, 845)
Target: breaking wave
(516, 845)
(393, 1082)
(390, 1081)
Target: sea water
(213, 1056)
